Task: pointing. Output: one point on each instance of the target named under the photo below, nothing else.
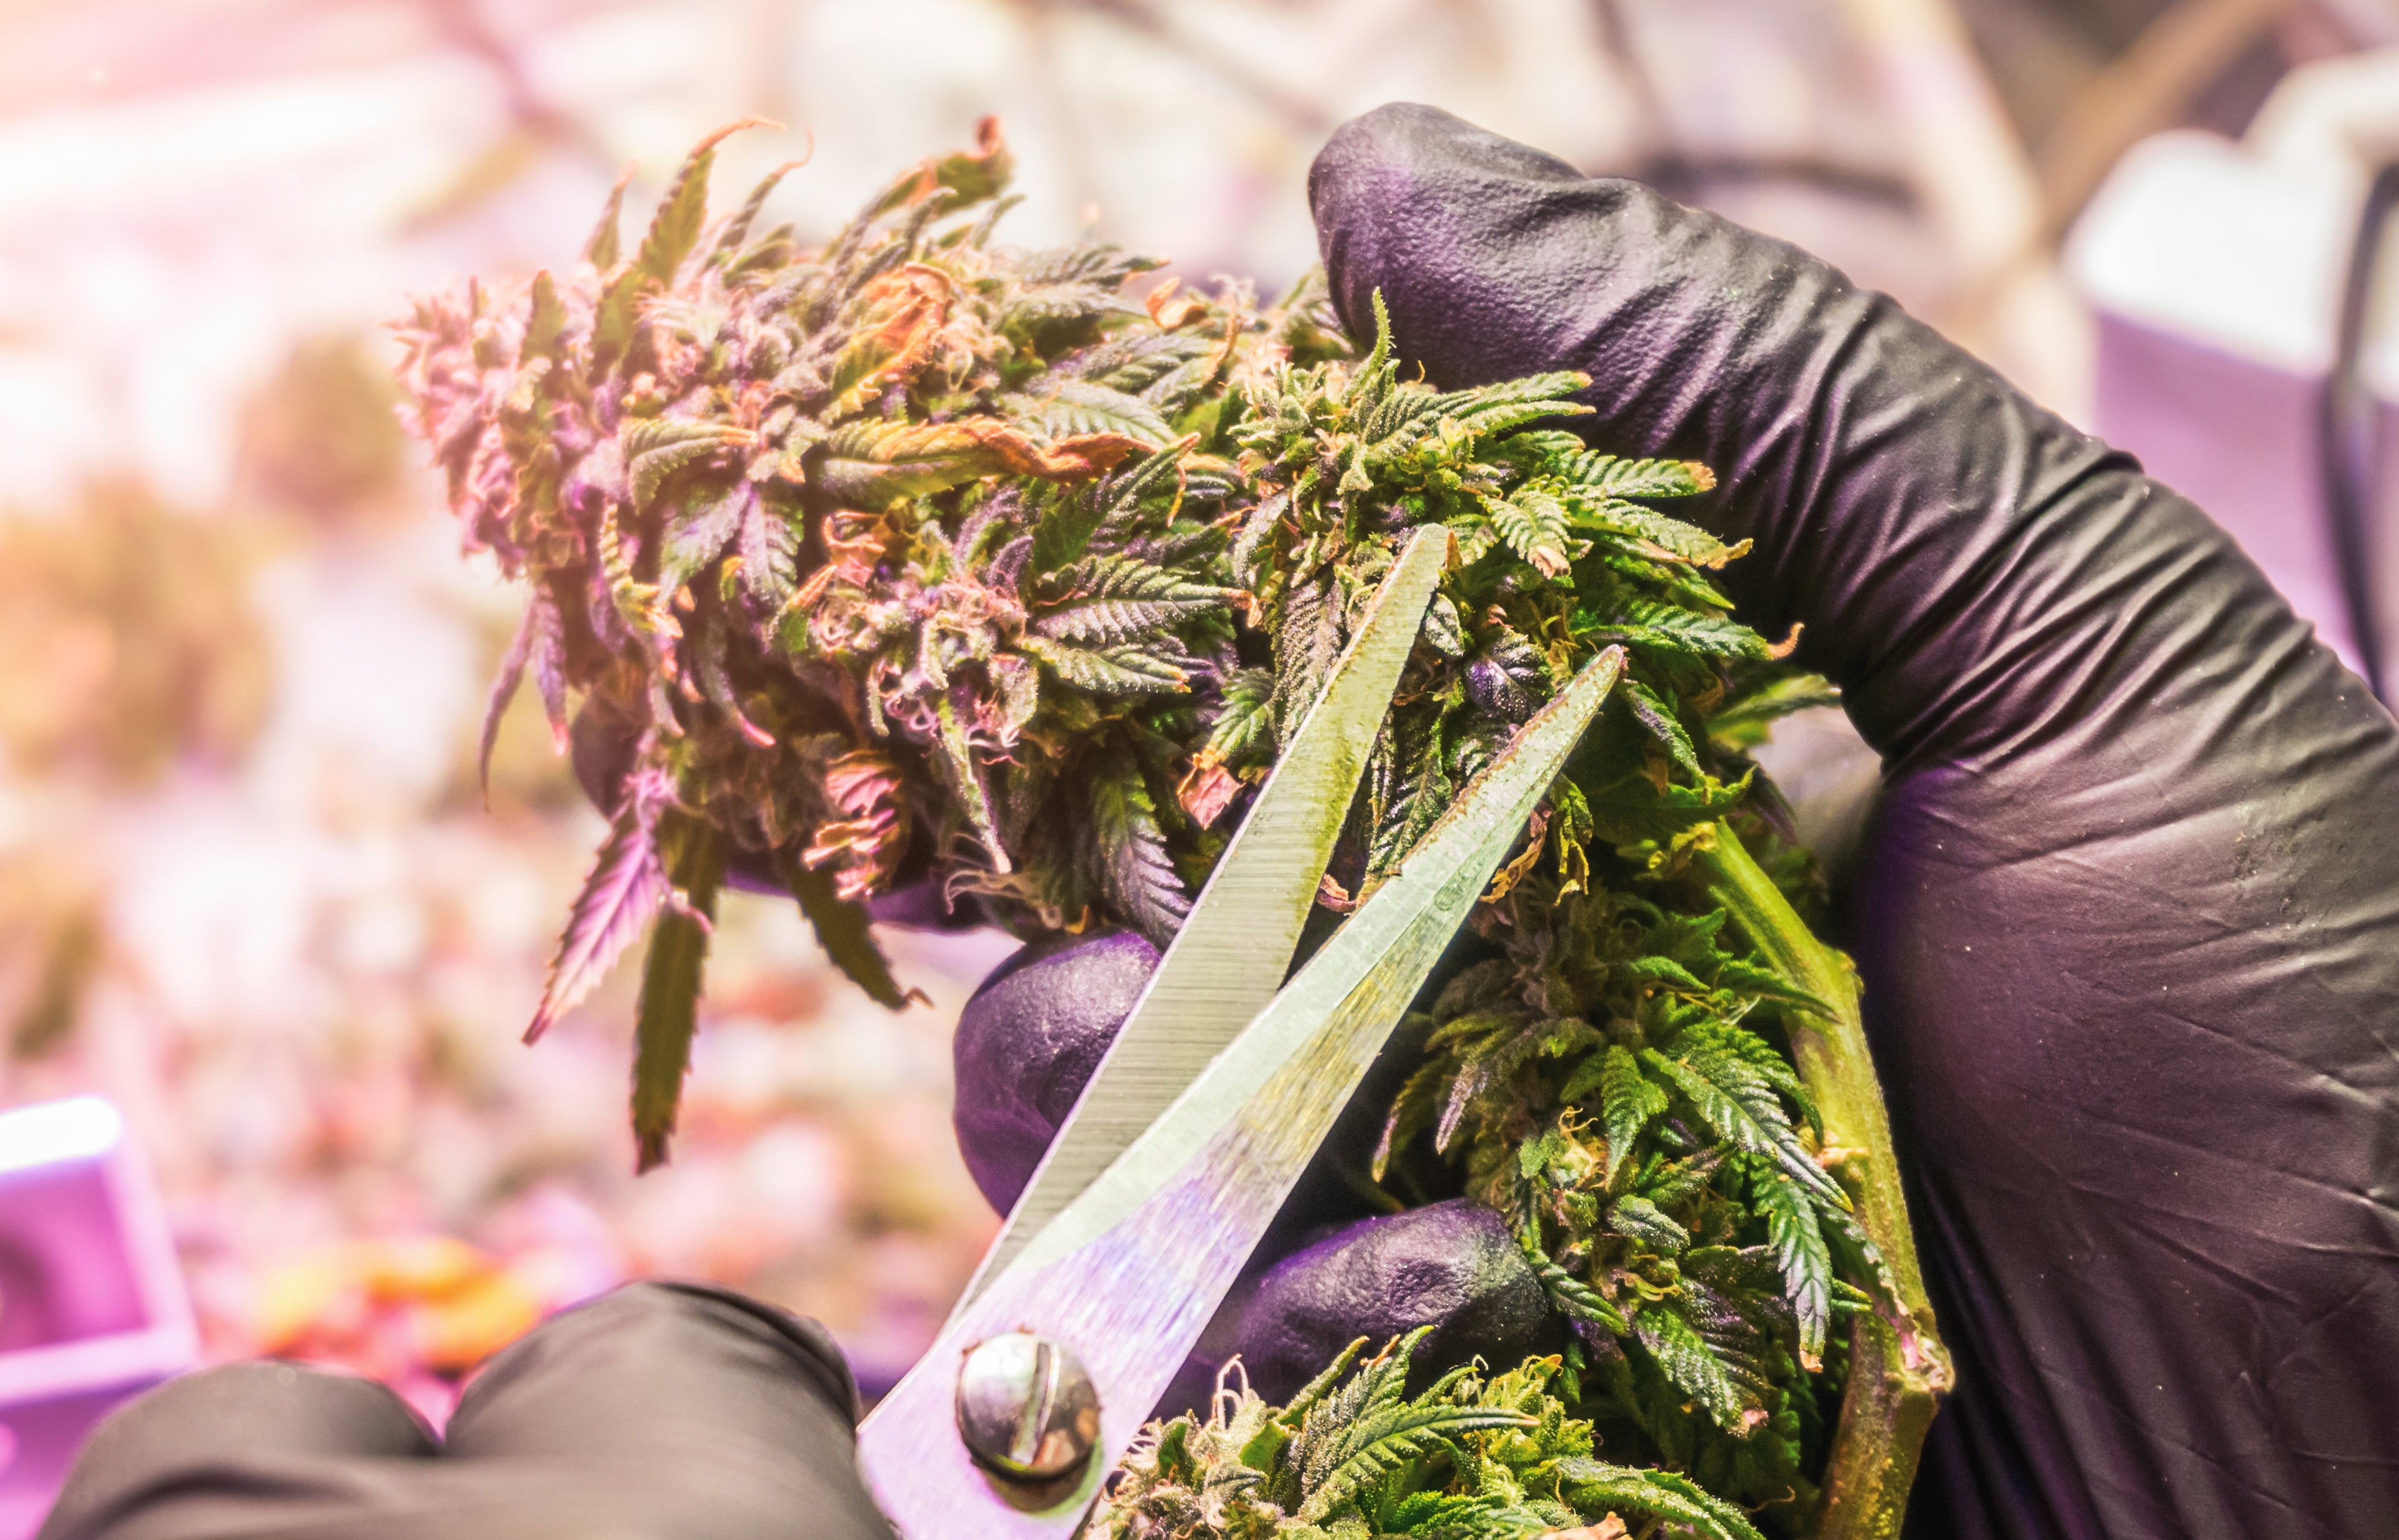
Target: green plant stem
(1898, 1367)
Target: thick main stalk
(1898, 1368)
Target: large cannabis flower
(922, 557)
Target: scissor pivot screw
(1027, 1409)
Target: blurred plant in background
(127, 637)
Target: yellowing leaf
(905, 312)
(873, 465)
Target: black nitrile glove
(657, 1413)
(2129, 915)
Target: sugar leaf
(668, 1012)
(841, 928)
(1141, 878)
(674, 229)
(627, 884)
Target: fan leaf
(627, 884)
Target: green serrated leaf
(1610, 476)
(1666, 973)
(1066, 527)
(1112, 598)
(1533, 522)
(1125, 669)
(1797, 1241)
(612, 321)
(1748, 978)
(683, 210)
(1573, 1298)
(1653, 533)
(1751, 1122)
(655, 448)
(967, 779)
(545, 320)
(1598, 1486)
(874, 463)
(842, 929)
(1627, 1103)
(1245, 722)
(668, 1012)
(1670, 629)
(1074, 406)
(1342, 1455)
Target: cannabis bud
(918, 557)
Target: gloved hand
(1333, 1267)
(2129, 917)
(664, 1412)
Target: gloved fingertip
(231, 1415)
(1424, 206)
(657, 1361)
(1369, 165)
(1452, 1266)
(1027, 1043)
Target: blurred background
(249, 893)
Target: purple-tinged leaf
(626, 885)
(705, 656)
(698, 535)
(549, 663)
(769, 550)
(1140, 875)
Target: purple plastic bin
(92, 1309)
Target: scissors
(1193, 1130)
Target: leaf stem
(1898, 1367)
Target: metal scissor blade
(1129, 1272)
(1231, 953)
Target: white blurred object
(2217, 270)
